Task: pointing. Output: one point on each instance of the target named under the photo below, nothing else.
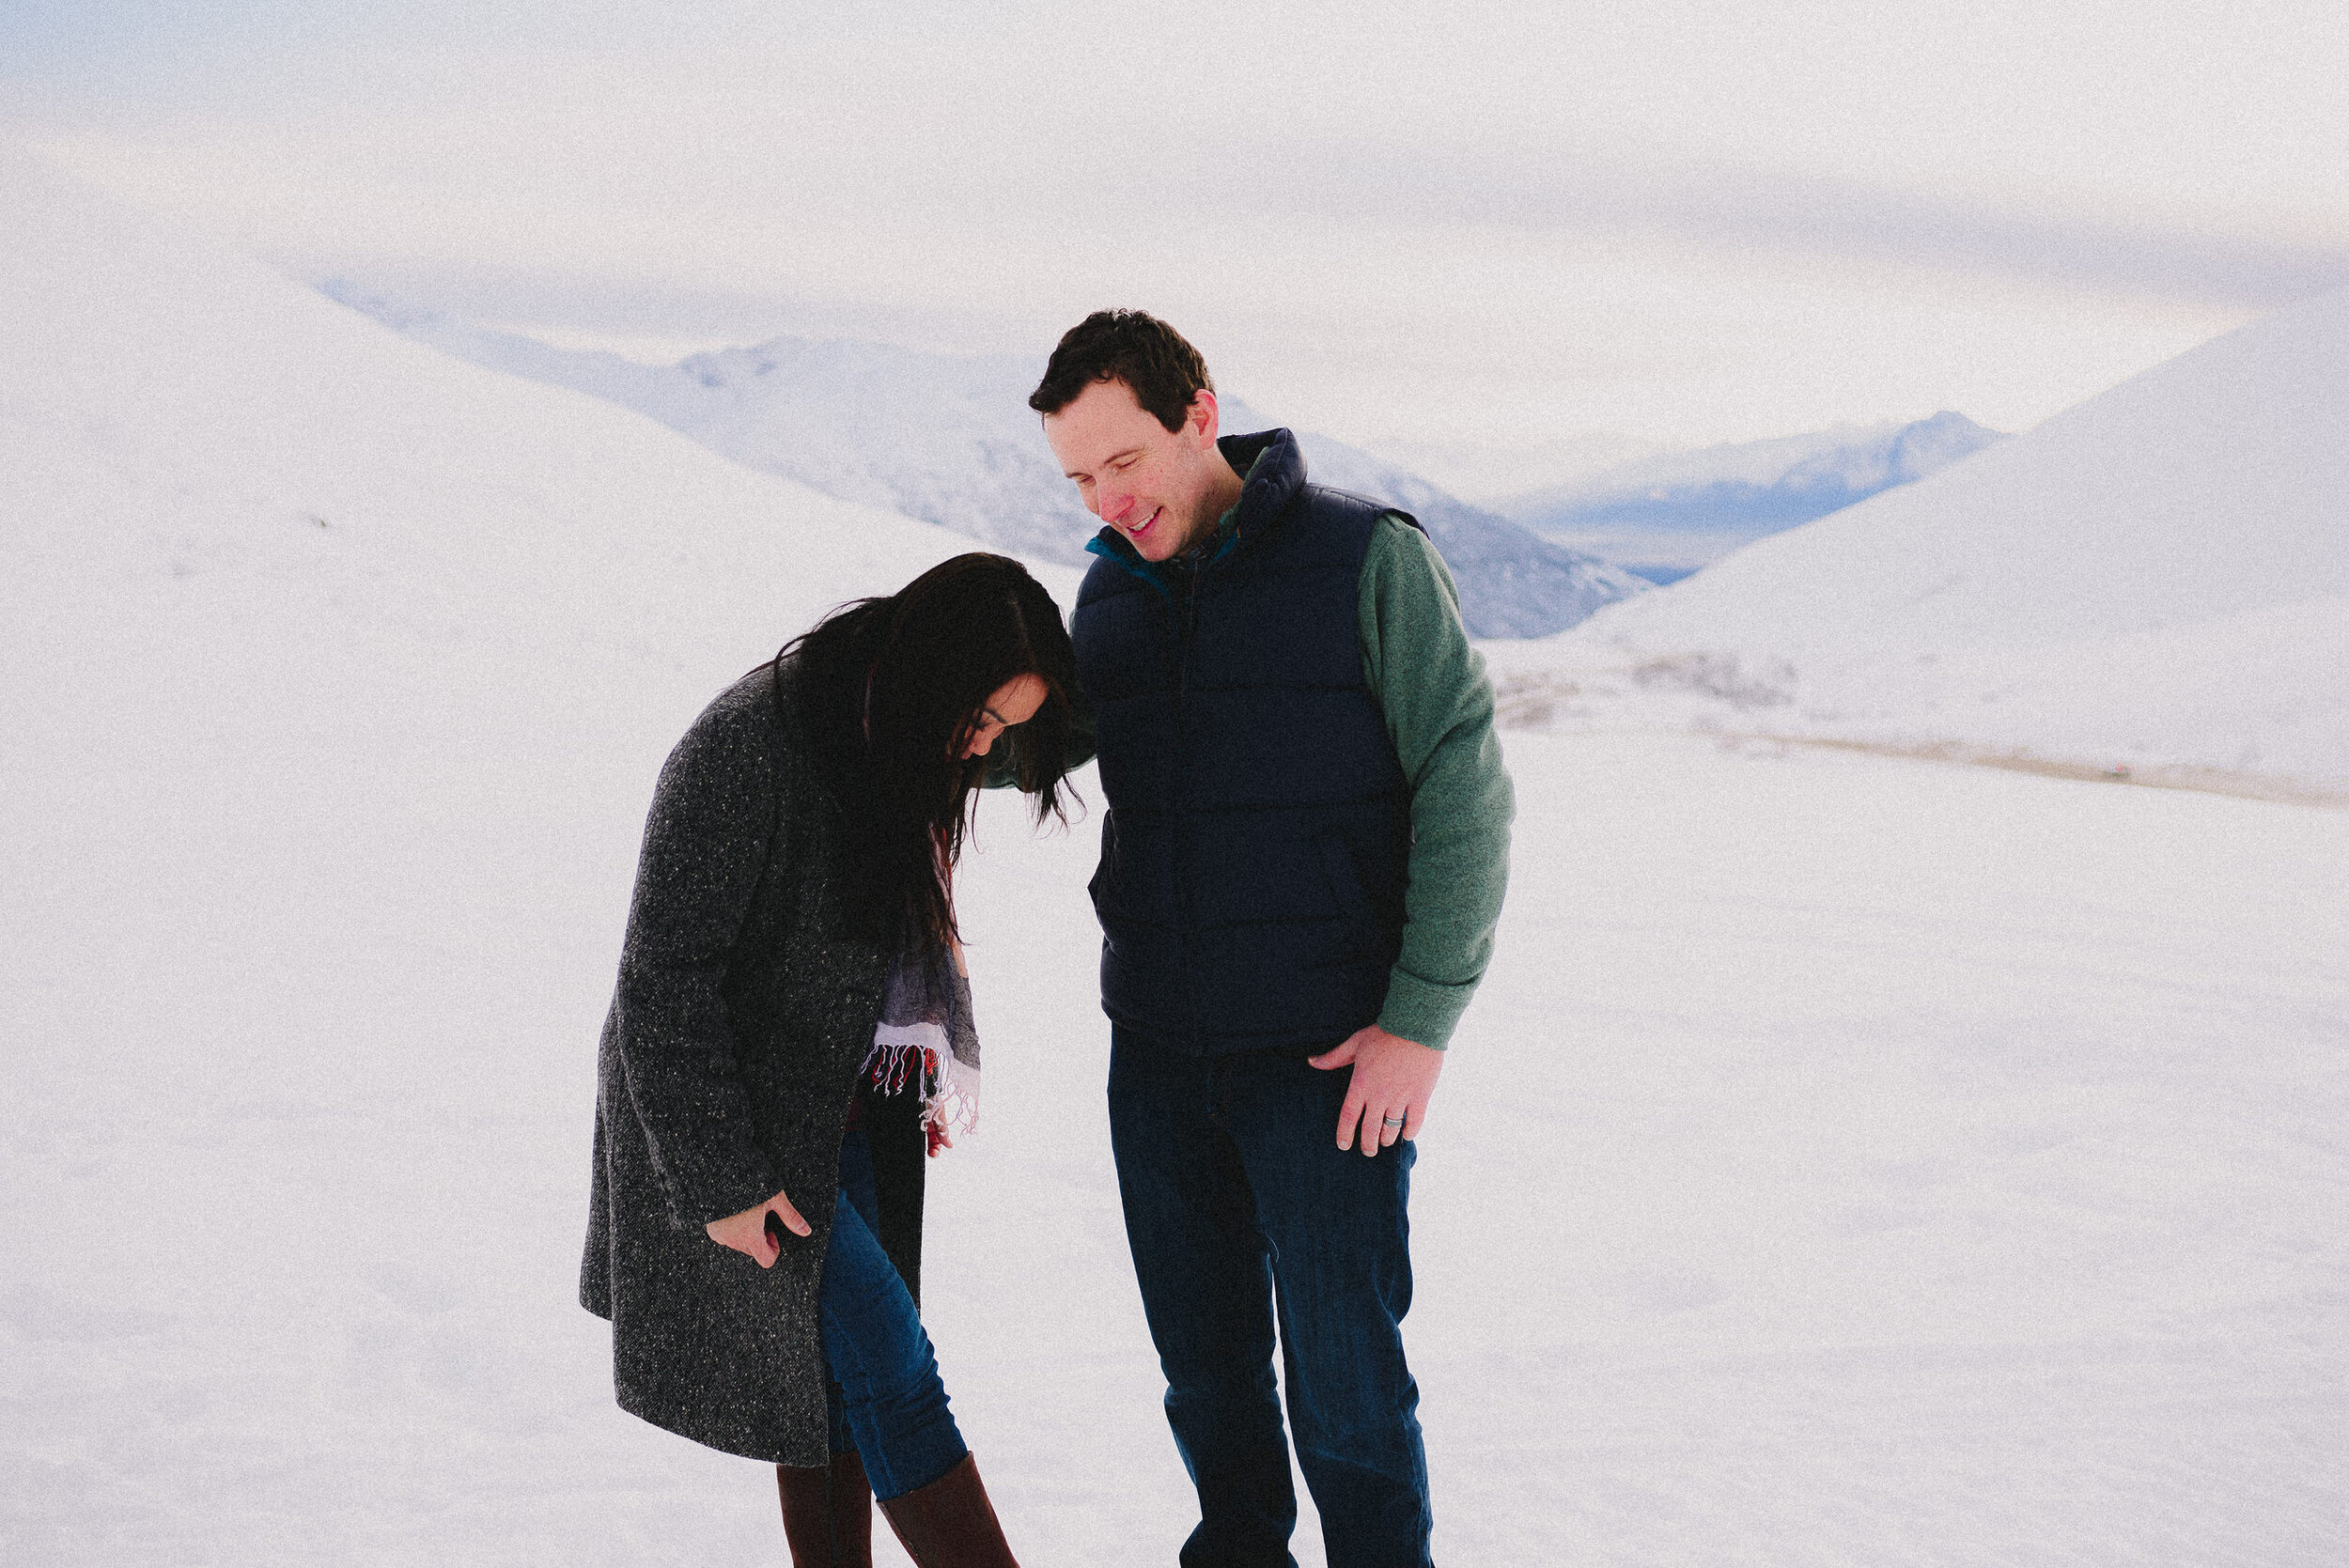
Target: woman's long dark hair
(894, 688)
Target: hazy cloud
(1701, 218)
(1733, 209)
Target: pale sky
(1500, 228)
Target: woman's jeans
(885, 1399)
(1244, 1216)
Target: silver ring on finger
(1392, 1121)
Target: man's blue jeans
(1243, 1213)
(885, 1396)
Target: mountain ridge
(962, 450)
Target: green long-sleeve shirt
(1437, 701)
(1439, 706)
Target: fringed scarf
(925, 1029)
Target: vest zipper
(1186, 621)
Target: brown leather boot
(949, 1523)
(827, 1513)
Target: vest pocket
(1099, 884)
(1346, 883)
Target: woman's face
(1014, 702)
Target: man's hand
(1393, 1077)
(746, 1232)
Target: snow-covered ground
(1850, 1161)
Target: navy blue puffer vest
(1254, 857)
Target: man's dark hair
(1163, 370)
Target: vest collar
(1275, 467)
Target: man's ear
(1201, 420)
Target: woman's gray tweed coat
(728, 1059)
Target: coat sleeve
(706, 845)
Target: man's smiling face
(1151, 483)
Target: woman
(789, 1037)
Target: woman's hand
(747, 1231)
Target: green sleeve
(1439, 706)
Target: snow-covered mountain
(247, 447)
(1670, 515)
(2157, 577)
(949, 439)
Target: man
(1302, 867)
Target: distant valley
(1668, 516)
